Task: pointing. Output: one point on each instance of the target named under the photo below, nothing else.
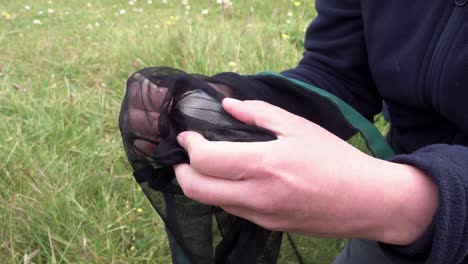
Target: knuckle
(257, 166)
(264, 163)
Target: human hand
(307, 181)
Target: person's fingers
(228, 160)
(209, 190)
(265, 115)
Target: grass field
(66, 190)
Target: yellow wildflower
(6, 15)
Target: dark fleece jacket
(412, 55)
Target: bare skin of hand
(307, 181)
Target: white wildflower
(224, 2)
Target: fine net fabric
(160, 103)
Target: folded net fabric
(161, 102)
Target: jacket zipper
(436, 64)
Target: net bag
(161, 102)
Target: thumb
(262, 114)
(189, 140)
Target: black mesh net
(160, 103)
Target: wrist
(408, 202)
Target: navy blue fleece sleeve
(447, 238)
(335, 57)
